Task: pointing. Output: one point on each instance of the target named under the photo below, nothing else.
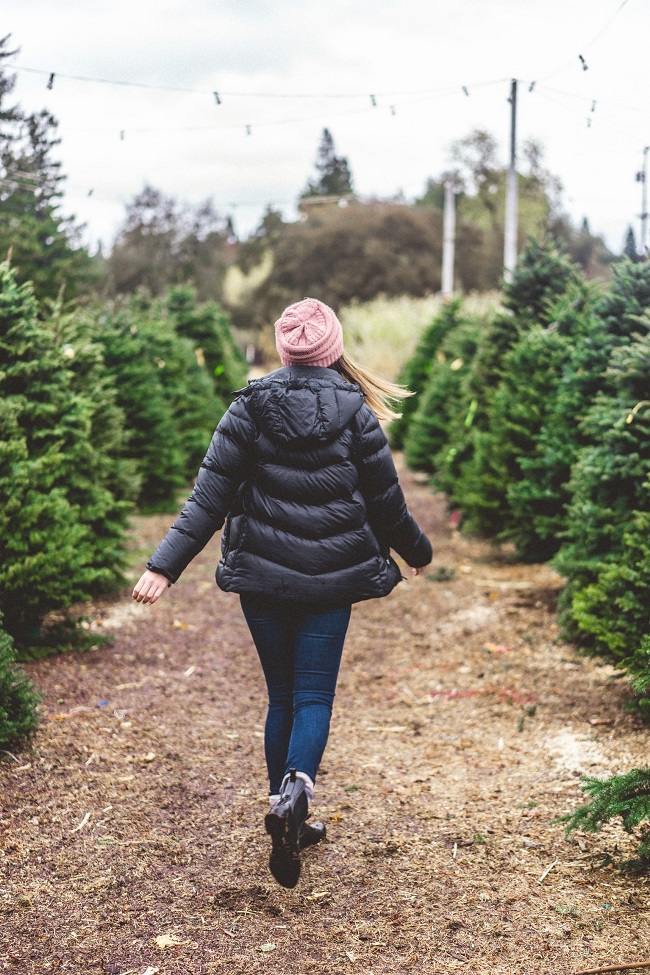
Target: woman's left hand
(417, 572)
(150, 587)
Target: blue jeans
(300, 651)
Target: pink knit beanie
(308, 333)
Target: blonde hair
(378, 392)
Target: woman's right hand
(150, 587)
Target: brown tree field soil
(131, 827)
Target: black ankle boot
(284, 823)
(311, 833)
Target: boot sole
(284, 861)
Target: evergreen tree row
(101, 409)
(536, 425)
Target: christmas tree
(209, 328)
(609, 481)
(442, 399)
(49, 507)
(417, 369)
(18, 699)
(538, 497)
(491, 442)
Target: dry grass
(131, 831)
(382, 334)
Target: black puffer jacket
(301, 472)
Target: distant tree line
(346, 249)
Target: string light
(236, 94)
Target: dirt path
(131, 836)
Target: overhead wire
(585, 47)
(238, 94)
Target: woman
(300, 471)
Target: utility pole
(642, 177)
(510, 235)
(448, 240)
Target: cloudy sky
(395, 81)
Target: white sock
(309, 785)
(274, 799)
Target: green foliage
(417, 369)
(187, 390)
(637, 666)
(208, 328)
(609, 479)
(334, 176)
(622, 796)
(353, 253)
(61, 529)
(98, 409)
(538, 429)
(164, 243)
(43, 246)
(152, 444)
(482, 455)
(442, 401)
(173, 364)
(151, 370)
(73, 334)
(615, 608)
(538, 496)
(543, 273)
(18, 699)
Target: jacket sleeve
(224, 467)
(388, 515)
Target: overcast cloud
(284, 70)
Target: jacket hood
(302, 404)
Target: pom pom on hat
(308, 333)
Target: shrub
(609, 481)
(615, 608)
(476, 465)
(538, 496)
(442, 399)
(626, 796)
(61, 529)
(18, 699)
(416, 371)
(209, 329)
